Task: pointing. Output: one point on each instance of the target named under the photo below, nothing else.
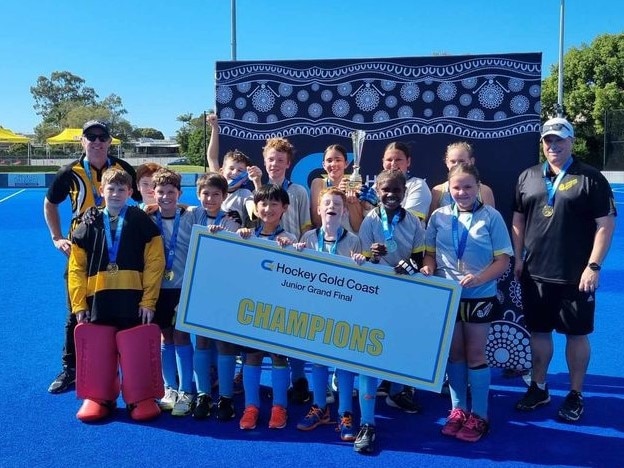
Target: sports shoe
(184, 404)
(330, 399)
(572, 407)
(454, 422)
(63, 381)
(279, 417)
(202, 406)
(473, 429)
(225, 409)
(315, 417)
(238, 383)
(533, 398)
(365, 440)
(299, 393)
(250, 418)
(345, 427)
(167, 402)
(403, 401)
(384, 388)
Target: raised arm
(212, 152)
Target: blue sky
(159, 56)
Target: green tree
(191, 138)
(147, 133)
(593, 83)
(52, 95)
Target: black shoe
(384, 388)
(533, 398)
(572, 407)
(299, 393)
(225, 409)
(365, 440)
(63, 381)
(202, 406)
(403, 400)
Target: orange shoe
(144, 410)
(279, 416)
(250, 418)
(92, 410)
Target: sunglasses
(91, 137)
(556, 127)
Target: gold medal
(169, 275)
(112, 268)
(548, 211)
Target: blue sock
(251, 383)
(368, 394)
(201, 363)
(168, 358)
(280, 381)
(184, 362)
(479, 378)
(345, 391)
(226, 370)
(320, 374)
(458, 384)
(297, 369)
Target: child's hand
(426, 270)
(245, 233)
(83, 316)
(470, 281)
(147, 315)
(299, 246)
(378, 250)
(358, 258)
(283, 241)
(214, 228)
(212, 120)
(255, 175)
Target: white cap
(558, 126)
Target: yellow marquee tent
(72, 135)
(7, 136)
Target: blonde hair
(332, 191)
(279, 144)
(114, 175)
(460, 145)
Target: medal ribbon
(169, 248)
(551, 188)
(217, 219)
(239, 178)
(321, 241)
(87, 167)
(113, 245)
(460, 243)
(278, 230)
(388, 229)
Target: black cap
(95, 124)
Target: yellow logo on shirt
(568, 185)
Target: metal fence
(613, 158)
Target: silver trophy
(355, 179)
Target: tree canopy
(593, 84)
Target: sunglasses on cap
(557, 127)
(91, 137)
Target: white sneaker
(184, 404)
(167, 402)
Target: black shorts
(482, 310)
(168, 300)
(561, 307)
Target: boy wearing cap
(563, 222)
(80, 180)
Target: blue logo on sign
(267, 265)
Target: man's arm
(52, 218)
(518, 225)
(602, 241)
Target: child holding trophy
(468, 241)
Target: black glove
(406, 267)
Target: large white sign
(318, 307)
